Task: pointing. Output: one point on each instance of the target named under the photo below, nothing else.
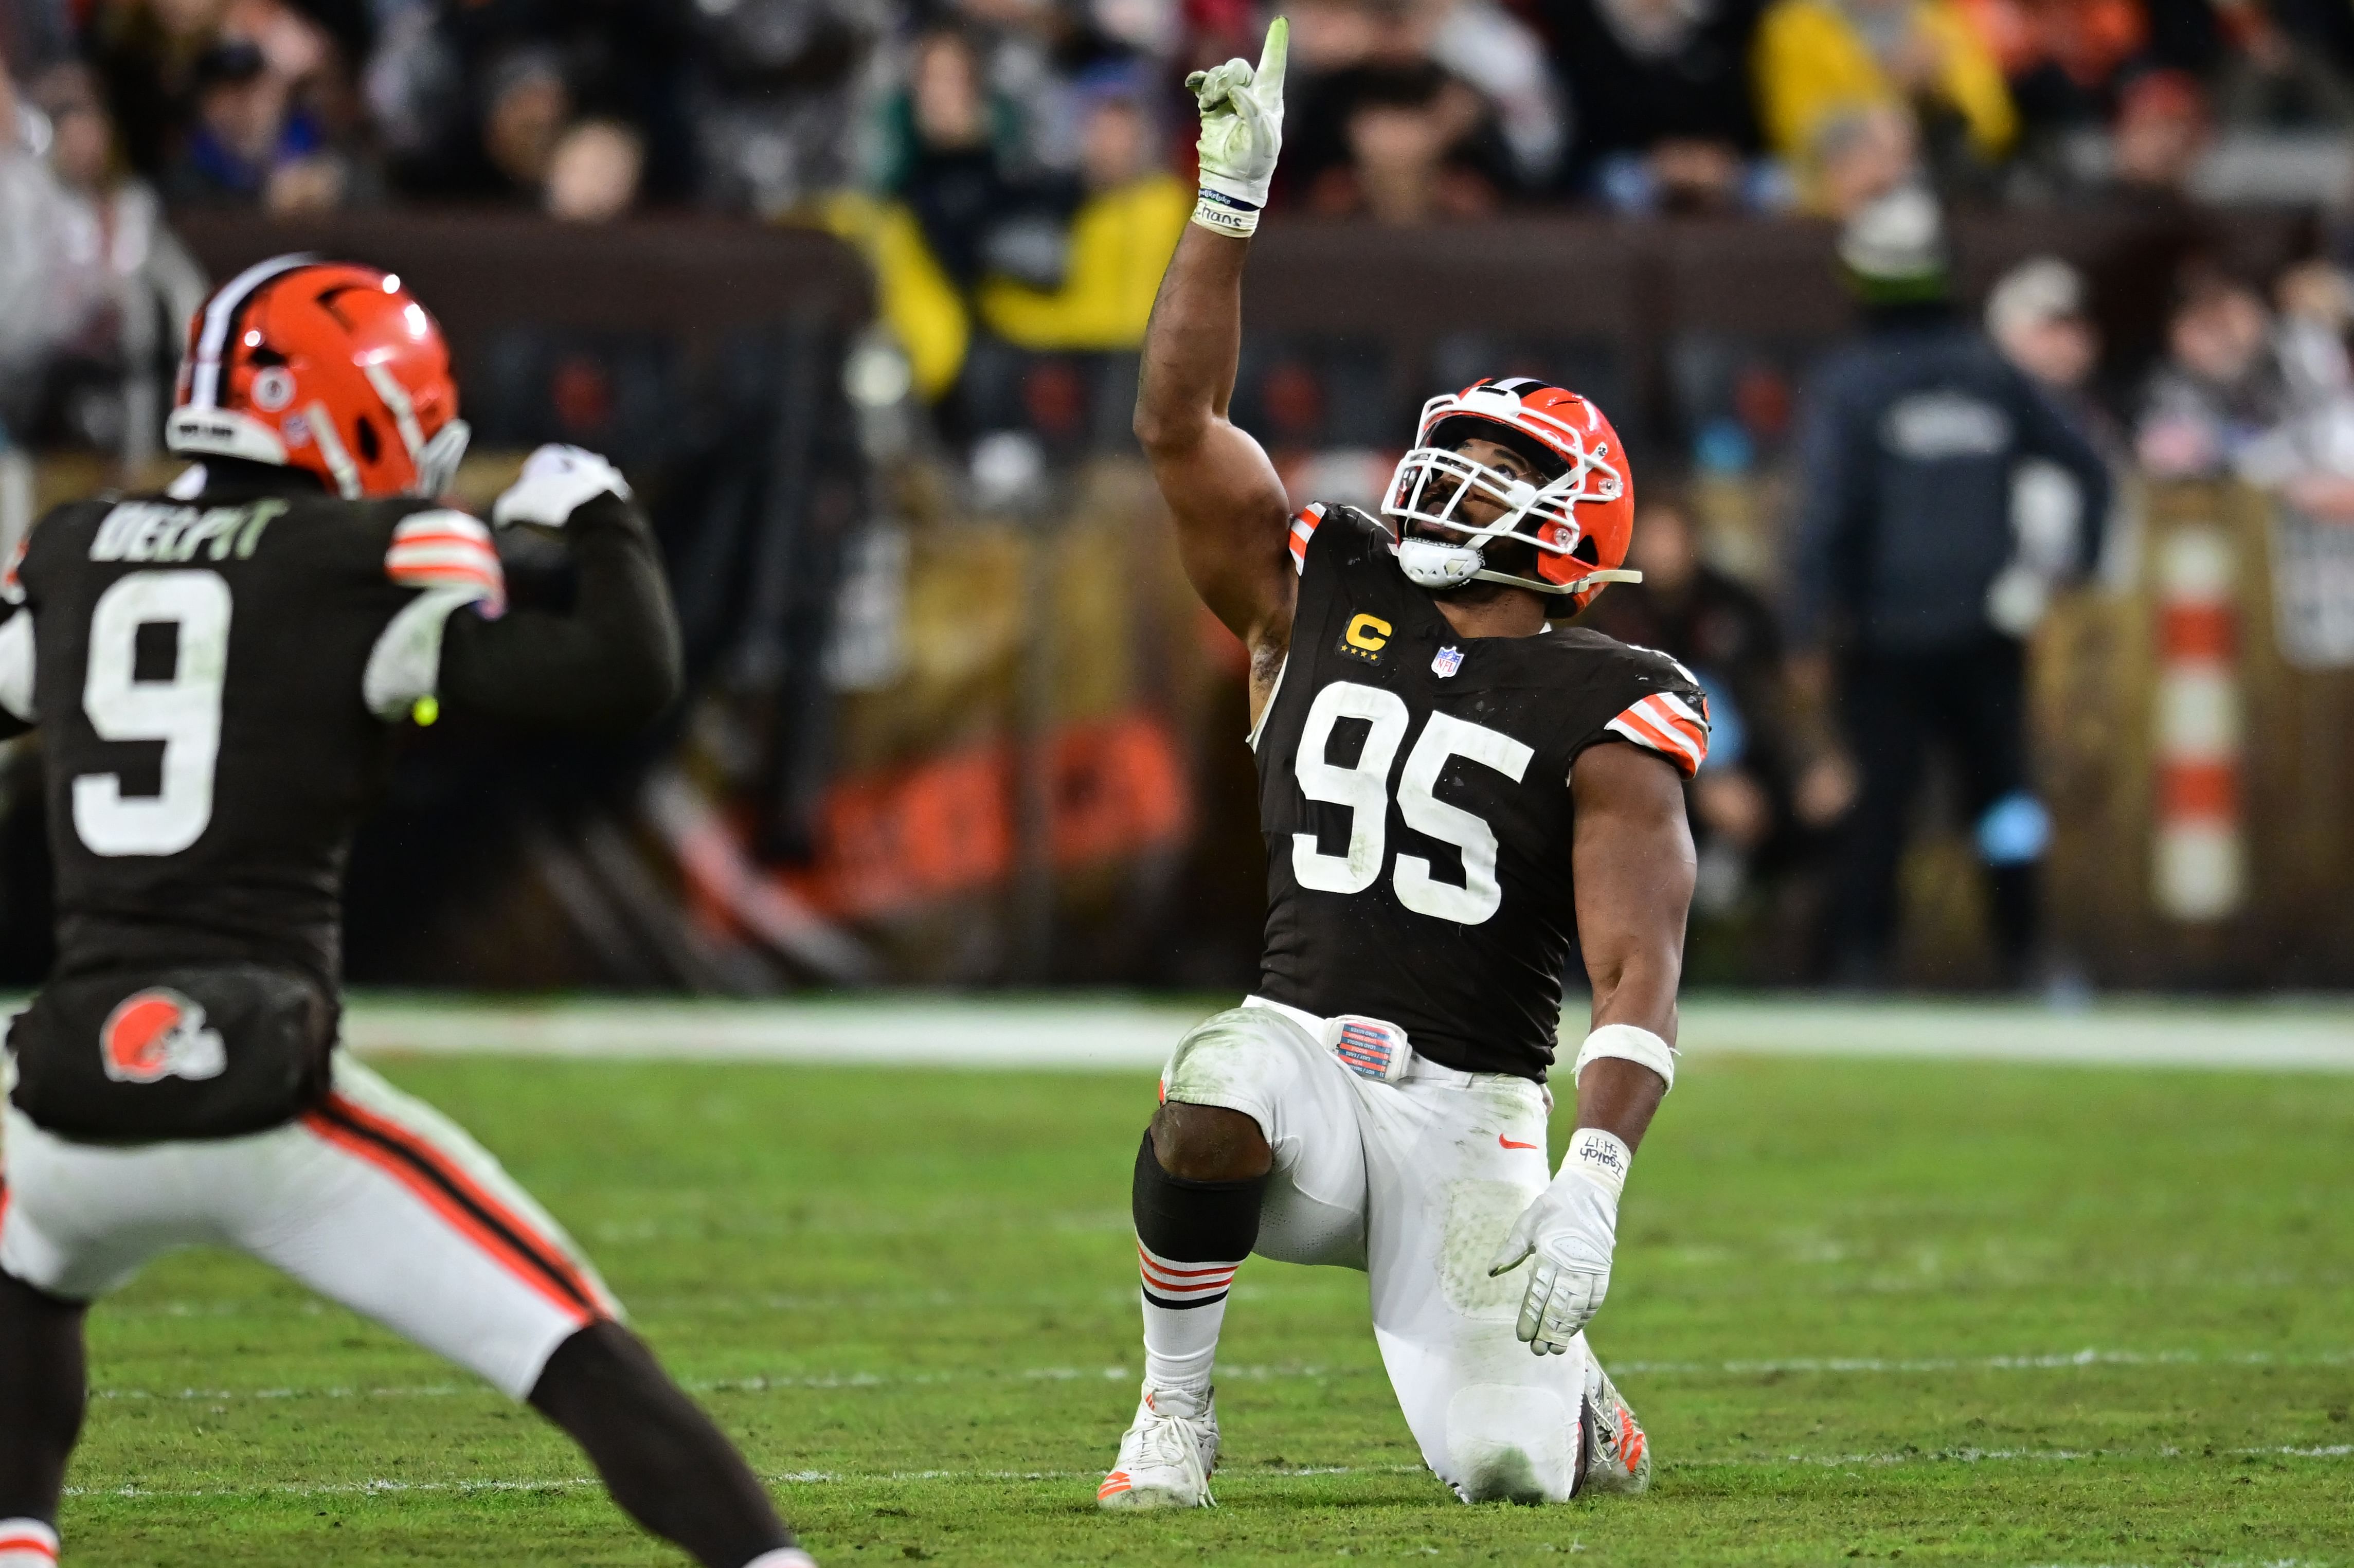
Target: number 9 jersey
(212, 678)
(1413, 792)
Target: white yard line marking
(1117, 1033)
(1832, 1365)
(852, 1477)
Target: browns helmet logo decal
(159, 1033)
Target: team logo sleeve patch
(445, 549)
(1667, 724)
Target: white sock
(28, 1543)
(1184, 1306)
(783, 1557)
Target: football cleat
(1166, 1456)
(1618, 1459)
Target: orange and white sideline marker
(2200, 850)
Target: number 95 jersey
(1413, 792)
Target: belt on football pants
(1420, 1069)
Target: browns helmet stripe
(221, 318)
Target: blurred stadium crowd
(1014, 171)
(1405, 109)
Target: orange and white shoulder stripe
(1669, 726)
(1303, 528)
(442, 549)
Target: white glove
(1570, 1228)
(1242, 134)
(555, 481)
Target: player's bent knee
(1239, 1059)
(1511, 1444)
(1208, 1143)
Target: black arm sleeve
(608, 667)
(11, 726)
(2046, 430)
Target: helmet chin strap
(1433, 565)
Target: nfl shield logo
(1446, 662)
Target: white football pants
(375, 1199)
(1415, 1182)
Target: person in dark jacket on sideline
(1908, 443)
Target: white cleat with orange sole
(1618, 1457)
(1167, 1454)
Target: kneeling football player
(1451, 793)
(214, 671)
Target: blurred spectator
(1485, 46)
(2061, 58)
(1908, 445)
(525, 112)
(93, 288)
(147, 52)
(2312, 461)
(2037, 318)
(950, 159)
(1861, 157)
(2221, 388)
(2162, 131)
(471, 96)
(1379, 126)
(134, 288)
(1128, 222)
(1408, 135)
(781, 98)
(229, 102)
(250, 145)
(1660, 91)
(1718, 627)
(2270, 401)
(31, 275)
(593, 171)
(1822, 64)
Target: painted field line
(1125, 1034)
(854, 1477)
(2065, 1360)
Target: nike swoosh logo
(1509, 1144)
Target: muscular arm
(609, 667)
(1635, 865)
(1230, 511)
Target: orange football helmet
(323, 366)
(1580, 517)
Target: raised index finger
(1268, 80)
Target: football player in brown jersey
(215, 672)
(1453, 793)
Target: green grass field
(1952, 1313)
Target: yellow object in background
(917, 302)
(1812, 65)
(1119, 245)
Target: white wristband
(1601, 1157)
(1628, 1044)
(1226, 214)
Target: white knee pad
(1238, 1060)
(1511, 1443)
